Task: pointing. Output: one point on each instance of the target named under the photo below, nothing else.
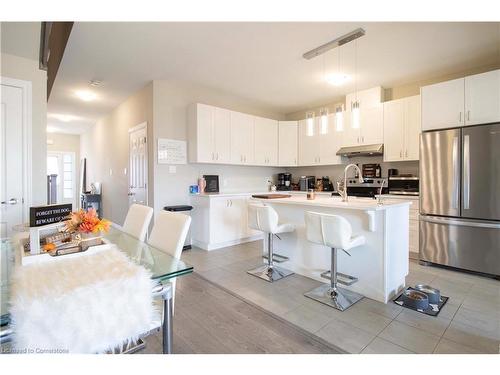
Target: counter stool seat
(335, 232)
(265, 219)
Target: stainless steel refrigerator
(460, 198)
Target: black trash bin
(182, 208)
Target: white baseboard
(220, 245)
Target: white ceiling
(261, 62)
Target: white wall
(170, 103)
(25, 69)
(106, 147)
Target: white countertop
(242, 194)
(354, 203)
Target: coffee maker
(284, 182)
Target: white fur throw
(86, 304)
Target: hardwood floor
(211, 320)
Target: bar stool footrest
(347, 280)
(277, 258)
(342, 278)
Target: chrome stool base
(341, 301)
(270, 274)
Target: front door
(138, 165)
(62, 164)
(11, 159)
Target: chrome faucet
(342, 186)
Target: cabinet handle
(406, 153)
(217, 156)
(212, 156)
(468, 115)
(363, 139)
(460, 119)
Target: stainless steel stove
(370, 187)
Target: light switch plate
(110, 172)
(125, 171)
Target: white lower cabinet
(414, 222)
(220, 221)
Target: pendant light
(310, 124)
(355, 123)
(323, 116)
(339, 110)
(323, 112)
(339, 118)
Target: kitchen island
(381, 264)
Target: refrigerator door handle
(463, 223)
(456, 177)
(466, 186)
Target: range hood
(364, 150)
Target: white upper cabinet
(482, 98)
(308, 142)
(394, 129)
(242, 138)
(266, 141)
(319, 142)
(288, 143)
(371, 124)
(222, 135)
(330, 140)
(413, 128)
(443, 105)
(465, 101)
(209, 134)
(366, 126)
(402, 129)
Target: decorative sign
(171, 151)
(54, 213)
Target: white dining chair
(169, 234)
(137, 221)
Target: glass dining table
(162, 266)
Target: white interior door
(138, 165)
(11, 159)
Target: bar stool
(265, 219)
(335, 232)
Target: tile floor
(469, 322)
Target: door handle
(11, 201)
(466, 172)
(454, 157)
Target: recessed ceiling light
(86, 95)
(337, 79)
(63, 117)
